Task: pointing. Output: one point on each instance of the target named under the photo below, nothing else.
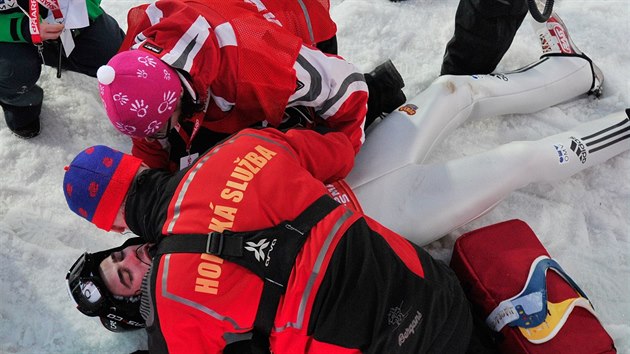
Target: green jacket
(14, 23)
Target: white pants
(430, 200)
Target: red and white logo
(562, 37)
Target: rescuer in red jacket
(191, 73)
(348, 285)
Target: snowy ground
(584, 221)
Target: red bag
(504, 268)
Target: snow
(584, 221)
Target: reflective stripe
(187, 302)
(182, 193)
(307, 18)
(317, 267)
(267, 140)
(202, 161)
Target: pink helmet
(139, 92)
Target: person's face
(123, 271)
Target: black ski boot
(385, 91)
(23, 121)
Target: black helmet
(88, 291)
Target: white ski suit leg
(432, 200)
(403, 138)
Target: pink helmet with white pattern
(139, 91)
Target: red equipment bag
(524, 295)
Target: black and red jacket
(355, 285)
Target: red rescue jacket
(355, 286)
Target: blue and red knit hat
(96, 183)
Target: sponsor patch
(499, 76)
(258, 248)
(395, 316)
(152, 48)
(409, 108)
(410, 329)
(563, 39)
(579, 149)
(563, 155)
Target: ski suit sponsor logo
(409, 108)
(563, 155)
(152, 48)
(411, 329)
(563, 39)
(579, 149)
(499, 76)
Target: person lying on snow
(190, 204)
(310, 275)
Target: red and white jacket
(244, 62)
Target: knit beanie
(96, 183)
(139, 91)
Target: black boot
(23, 121)
(385, 91)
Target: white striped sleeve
(325, 82)
(335, 89)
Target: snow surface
(583, 221)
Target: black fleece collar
(147, 203)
